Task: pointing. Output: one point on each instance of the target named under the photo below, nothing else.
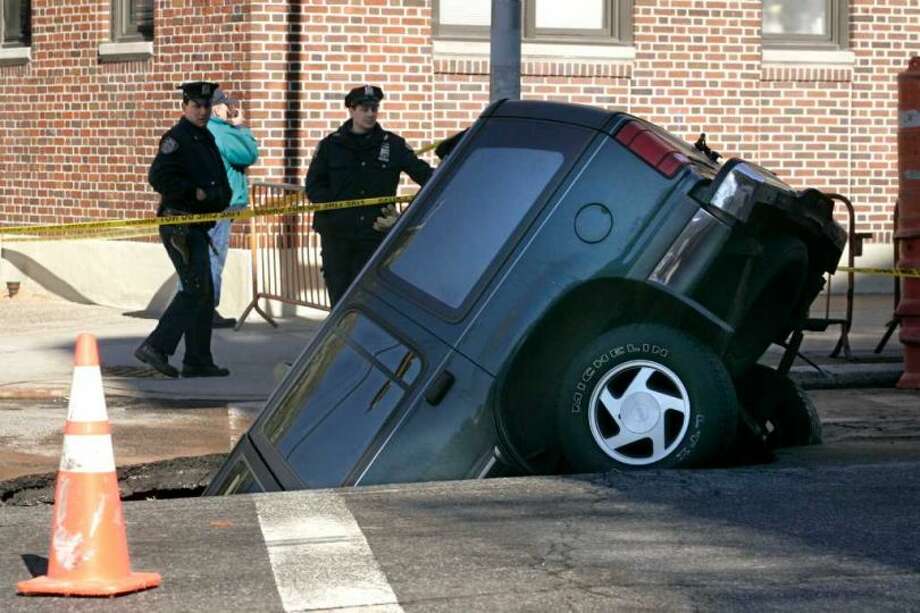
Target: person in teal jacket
(239, 150)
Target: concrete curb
(45, 391)
(36, 392)
(847, 376)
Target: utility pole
(505, 55)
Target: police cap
(363, 95)
(199, 91)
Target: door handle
(439, 387)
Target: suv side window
(351, 386)
(464, 227)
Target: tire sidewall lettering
(603, 362)
(710, 422)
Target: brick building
(805, 87)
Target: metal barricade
(286, 262)
(820, 324)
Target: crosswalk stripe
(319, 555)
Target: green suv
(574, 290)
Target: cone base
(45, 585)
(909, 381)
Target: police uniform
(348, 166)
(188, 160)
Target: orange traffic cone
(89, 549)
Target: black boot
(222, 322)
(206, 370)
(155, 358)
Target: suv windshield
(448, 248)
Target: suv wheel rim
(639, 412)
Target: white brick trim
(109, 51)
(12, 54)
(799, 57)
(556, 51)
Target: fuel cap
(593, 222)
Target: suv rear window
(450, 245)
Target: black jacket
(188, 158)
(349, 166)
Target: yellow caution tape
(98, 229)
(890, 272)
(130, 228)
(428, 147)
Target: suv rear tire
(780, 407)
(645, 396)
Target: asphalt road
(825, 538)
(831, 527)
(823, 528)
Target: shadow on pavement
(37, 565)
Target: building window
(132, 20)
(806, 24)
(572, 21)
(16, 23)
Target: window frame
(617, 29)
(26, 12)
(838, 36)
(122, 24)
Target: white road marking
(319, 555)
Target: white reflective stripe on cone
(88, 453)
(87, 397)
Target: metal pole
(505, 56)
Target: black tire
(780, 408)
(634, 364)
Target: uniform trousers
(220, 245)
(192, 308)
(343, 259)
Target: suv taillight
(651, 148)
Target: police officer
(359, 160)
(189, 175)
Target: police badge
(169, 145)
(384, 155)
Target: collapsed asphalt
(865, 426)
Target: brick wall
(884, 34)
(307, 54)
(77, 135)
(698, 68)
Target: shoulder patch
(169, 145)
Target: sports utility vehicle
(574, 290)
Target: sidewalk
(157, 418)
(38, 334)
